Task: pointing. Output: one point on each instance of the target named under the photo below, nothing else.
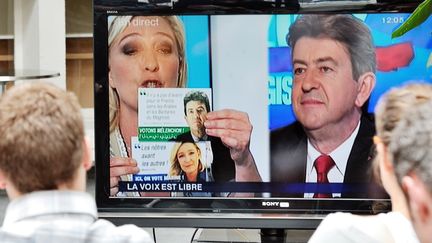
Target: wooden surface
(79, 69)
(79, 66)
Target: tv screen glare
(152, 63)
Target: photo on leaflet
(162, 161)
(162, 112)
(160, 153)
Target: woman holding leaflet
(149, 52)
(144, 51)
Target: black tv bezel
(207, 212)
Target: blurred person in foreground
(410, 147)
(392, 112)
(44, 157)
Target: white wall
(39, 29)
(240, 74)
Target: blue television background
(381, 26)
(197, 50)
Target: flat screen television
(236, 55)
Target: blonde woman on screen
(144, 51)
(149, 51)
(394, 226)
(186, 165)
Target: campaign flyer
(161, 113)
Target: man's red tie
(323, 164)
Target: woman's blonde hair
(117, 25)
(175, 168)
(392, 108)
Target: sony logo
(275, 204)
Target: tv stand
(269, 235)
(253, 235)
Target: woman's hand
(120, 167)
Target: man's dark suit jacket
(288, 158)
(223, 167)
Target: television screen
(201, 111)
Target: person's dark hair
(196, 95)
(344, 28)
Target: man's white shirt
(340, 156)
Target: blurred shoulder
(125, 233)
(346, 227)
